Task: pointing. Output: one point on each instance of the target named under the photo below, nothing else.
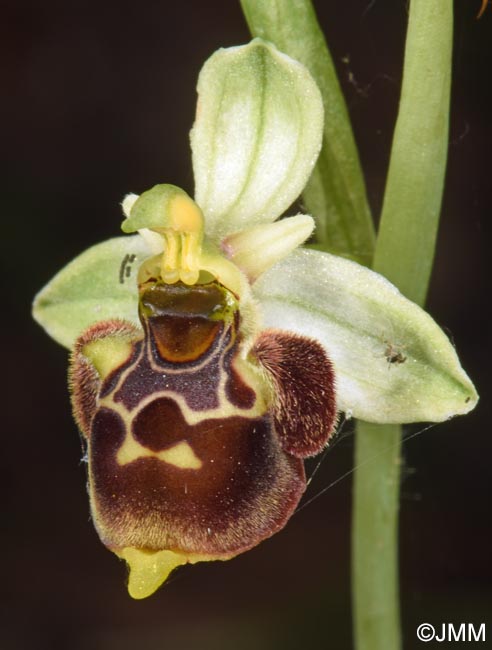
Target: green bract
(255, 140)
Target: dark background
(97, 101)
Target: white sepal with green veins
(98, 285)
(256, 137)
(393, 363)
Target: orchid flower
(211, 354)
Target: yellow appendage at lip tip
(149, 569)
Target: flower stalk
(412, 204)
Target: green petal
(256, 249)
(256, 137)
(98, 285)
(392, 361)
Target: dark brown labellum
(195, 446)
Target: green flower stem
(375, 598)
(335, 195)
(404, 254)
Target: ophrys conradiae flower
(210, 354)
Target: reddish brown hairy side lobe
(83, 379)
(303, 383)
